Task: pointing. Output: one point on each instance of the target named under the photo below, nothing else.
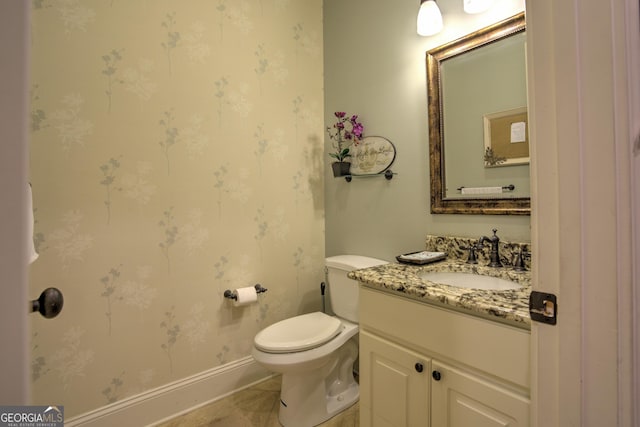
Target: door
(461, 399)
(580, 86)
(14, 357)
(395, 381)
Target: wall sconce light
(477, 6)
(429, 18)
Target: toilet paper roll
(245, 296)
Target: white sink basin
(470, 280)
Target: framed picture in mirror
(506, 138)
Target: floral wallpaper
(176, 151)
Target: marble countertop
(509, 306)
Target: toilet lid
(298, 333)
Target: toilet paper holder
(232, 295)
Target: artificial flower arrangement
(347, 131)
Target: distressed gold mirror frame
(439, 203)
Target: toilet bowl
(315, 352)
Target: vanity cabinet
(394, 384)
(459, 398)
(422, 365)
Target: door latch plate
(543, 307)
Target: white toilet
(315, 352)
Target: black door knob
(419, 367)
(436, 375)
(49, 304)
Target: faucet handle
(518, 263)
(472, 259)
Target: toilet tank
(343, 292)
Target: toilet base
(299, 410)
(312, 397)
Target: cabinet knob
(436, 375)
(419, 367)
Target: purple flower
(358, 129)
(342, 133)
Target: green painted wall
(374, 66)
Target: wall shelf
(388, 174)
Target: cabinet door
(394, 384)
(460, 399)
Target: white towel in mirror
(481, 190)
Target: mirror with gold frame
(463, 179)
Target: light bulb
(429, 18)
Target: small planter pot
(341, 168)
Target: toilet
(315, 352)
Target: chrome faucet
(494, 254)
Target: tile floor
(256, 406)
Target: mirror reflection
(478, 126)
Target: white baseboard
(170, 400)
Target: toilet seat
(298, 333)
